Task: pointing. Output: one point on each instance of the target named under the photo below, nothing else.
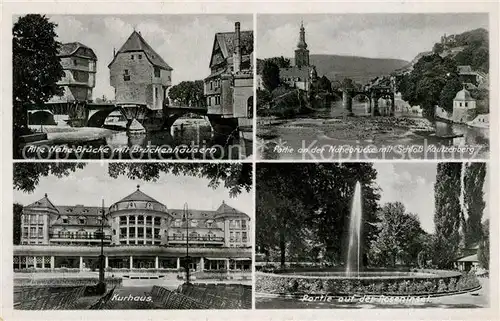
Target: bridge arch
(98, 117)
(361, 97)
(41, 117)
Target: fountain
(353, 252)
(355, 279)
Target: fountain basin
(394, 283)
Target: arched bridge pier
(373, 95)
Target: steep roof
(225, 209)
(464, 95)
(70, 48)
(225, 40)
(136, 42)
(44, 203)
(138, 195)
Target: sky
(183, 41)
(413, 185)
(399, 36)
(89, 185)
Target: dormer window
(65, 220)
(81, 220)
(149, 206)
(131, 204)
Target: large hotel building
(139, 233)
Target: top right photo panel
(373, 86)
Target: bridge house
(79, 64)
(139, 75)
(139, 233)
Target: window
(231, 236)
(40, 232)
(140, 219)
(25, 232)
(132, 57)
(114, 232)
(65, 220)
(157, 233)
(123, 232)
(211, 85)
(149, 205)
(466, 104)
(157, 221)
(149, 232)
(149, 220)
(140, 56)
(244, 236)
(210, 224)
(460, 104)
(126, 75)
(244, 224)
(131, 204)
(157, 72)
(81, 220)
(156, 92)
(209, 101)
(75, 62)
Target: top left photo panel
(170, 87)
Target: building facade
(464, 107)
(139, 232)
(229, 87)
(139, 75)
(300, 75)
(79, 64)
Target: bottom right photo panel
(372, 235)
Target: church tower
(301, 53)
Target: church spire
(302, 37)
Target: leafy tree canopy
(188, 93)
(235, 177)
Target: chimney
(237, 48)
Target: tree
(188, 93)
(483, 252)
(270, 75)
(235, 176)
(16, 222)
(474, 202)
(448, 93)
(447, 213)
(312, 202)
(36, 68)
(324, 84)
(398, 238)
(281, 62)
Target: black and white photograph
(373, 86)
(372, 235)
(132, 86)
(120, 236)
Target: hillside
(359, 69)
(468, 48)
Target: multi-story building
(139, 75)
(79, 64)
(229, 87)
(139, 232)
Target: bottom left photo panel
(132, 236)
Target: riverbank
(64, 134)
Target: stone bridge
(87, 114)
(373, 95)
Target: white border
(145, 7)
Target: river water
(187, 139)
(327, 135)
